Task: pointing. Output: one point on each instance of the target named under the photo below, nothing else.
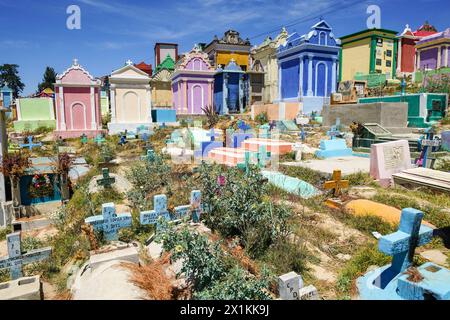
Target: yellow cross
(336, 183)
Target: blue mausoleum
(308, 67)
(229, 89)
(6, 94)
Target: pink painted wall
(77, 97)
(76, 76)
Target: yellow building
(231, 46)
(367, 52)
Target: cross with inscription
(194, 208)
(334, 131)
(402, 244)
(159, 210)
(30, 145)
(429, 144)
(16, 258)
(109, 222)
(99, 139)
(106, 181)
(336, 183)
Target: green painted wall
(35, 109)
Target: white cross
(109, 222)
(129, 62)
(75, 62)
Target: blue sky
(34, 33)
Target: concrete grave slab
(128, 253)
(27, 288)
(347, 165)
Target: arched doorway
(78, 116)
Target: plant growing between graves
(14, 166)
(210, 272)
(147, 178)
(211, 115)
(262, 118)
(236, 205)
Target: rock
(343, 257)
(435, 256)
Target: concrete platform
(228, 156)
(130, 254)
(272, 146)
(424, 177)
(27, 288)
(347, 165)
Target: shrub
(285, 256)
(262, 118)
(238, 206)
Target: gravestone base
(27, 288)
(116, 128)
(433, 286)
(122, 252)
(67, 134)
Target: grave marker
(30, 145)
(16, 258)
(109, 222)
(99, 139)
(84, 138)
(150, 156)
(402, 244)
(106, 181)
(159, 210)
(289, 286)
(194, 207)
(429, 144)
(336, 183)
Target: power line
(312, 16)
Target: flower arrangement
(40, 186)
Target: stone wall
(388, 115)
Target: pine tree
(48, 80)
(9, 75)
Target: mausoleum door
(321, 80)
(78, 114)
(131, 111)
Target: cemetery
(280, 171)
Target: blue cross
(99, 139)
(334, 131)
(150, 156)
(243, 126)
(428, 144)
(262, 156)
(194, 208)
(159, 210)
(110, 222)
(302, 134)
(30, 145)
(265, 131)
(16, 259)
(246, 164)
(212, 134)
(402, 244)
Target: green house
(424, 109)
(33, 113)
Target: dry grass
(152, 279)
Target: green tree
(48, 80)
(10, 75)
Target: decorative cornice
(76, 66)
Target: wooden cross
(336, 184)
(30, 145)
(159, 210)
(16, 258)
(109, 222)
(106, 181)
(402, 244)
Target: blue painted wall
(290, 78)
(164, 115)
(25, 182)
(218, 93)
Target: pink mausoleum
(77, 97)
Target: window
(378, 63)
(388, 63)
(389, 53)
(378, 71)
